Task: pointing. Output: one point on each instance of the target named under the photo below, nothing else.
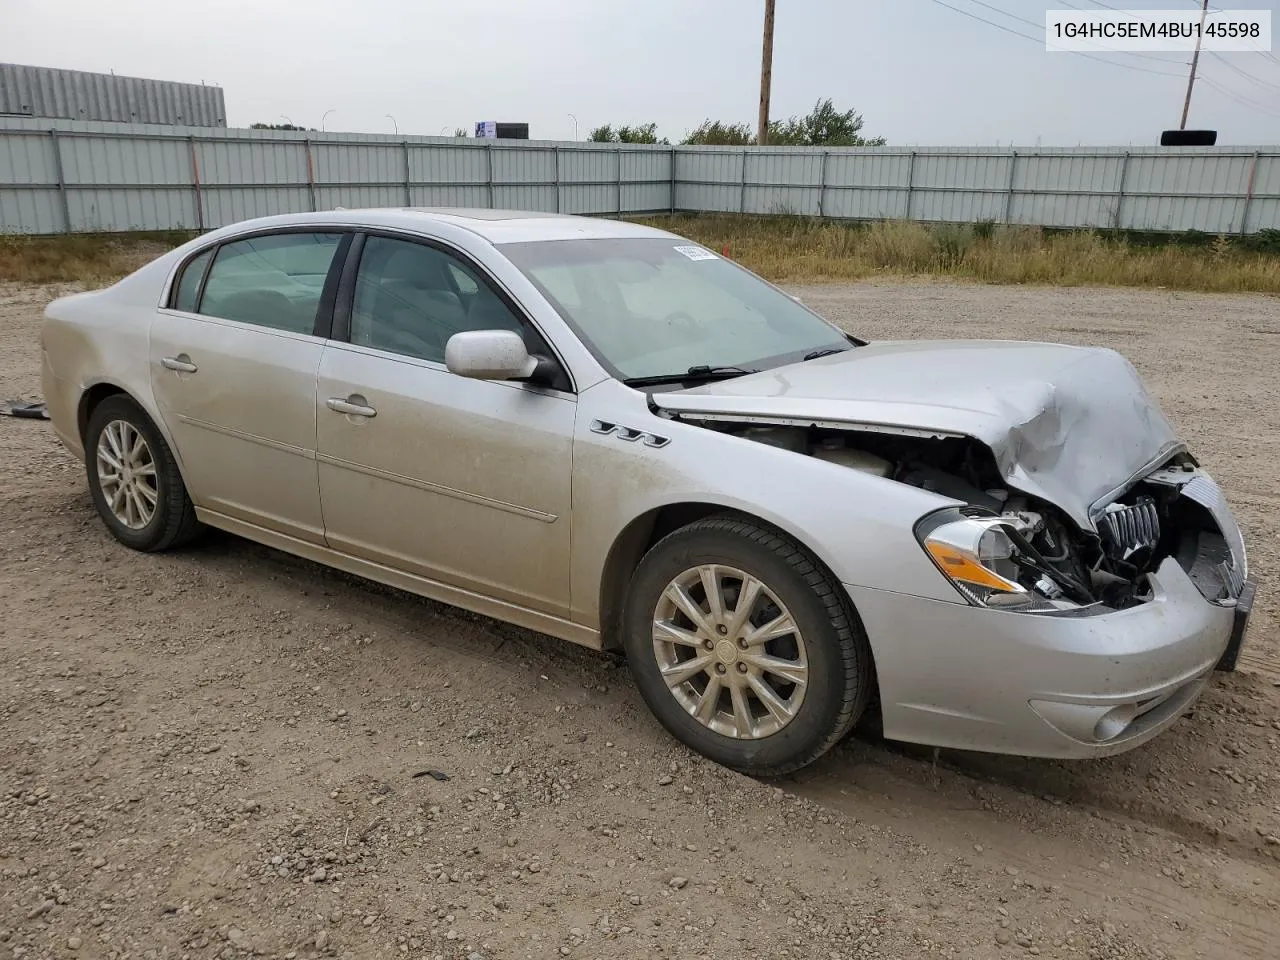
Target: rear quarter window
(188, 288)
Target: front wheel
(744, 648)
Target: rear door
(233, 368)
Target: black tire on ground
(841, 671)
(174, 521)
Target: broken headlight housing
(990, 562)
(979, 558)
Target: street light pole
(393, 123)
(575, 125)
(326, 114)
(766, 73)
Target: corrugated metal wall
(76, 95)
(80, 177)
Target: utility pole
(1195, 60)
(766, 73)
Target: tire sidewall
(122, 408)
(805, 736)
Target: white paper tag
(696, 253)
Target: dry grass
(93, 259)
(797, 250)
(793, 249)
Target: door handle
(179, 364)
(352, 406)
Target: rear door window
(272, 281)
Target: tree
(824, 126)
(460, 132)
(714, 133)
(277, 126)
(642, 133)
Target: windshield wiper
(828, 352)
(693, 374)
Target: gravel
(211, 753)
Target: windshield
(662, 306)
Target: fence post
(195, 184)
(557, 149)
(488, 165)
(1124, 176)
(311, 175)
(618, 151)
(742, 200)
(1248, 194)
(1008, 197)
(408, 176)
(673, 181)
(911, 176)
(822, 183)
(62, 180)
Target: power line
(1037, 40)
(1239, 98)
(1244, 73)
(1006, 13)
(989, 23)
(1266, 53)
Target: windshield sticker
(696, 253)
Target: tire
(829, 643)
(172, 520)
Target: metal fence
(91, 177)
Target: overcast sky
(920, 73)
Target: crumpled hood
(1068, 424)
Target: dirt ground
(223, 752)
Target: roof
(496, 226)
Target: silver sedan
(610, 434)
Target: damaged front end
(1003, 548)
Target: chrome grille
(1126, 530)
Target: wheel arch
(91, 398)
(639, 536)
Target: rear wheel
(134, 478)
(744, 648)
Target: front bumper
(971, 678)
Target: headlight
(979, 557)
(992, 562)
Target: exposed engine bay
(1169, 513)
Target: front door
(461, 481)
(233, 370)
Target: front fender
(858, 525)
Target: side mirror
(489, 355)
